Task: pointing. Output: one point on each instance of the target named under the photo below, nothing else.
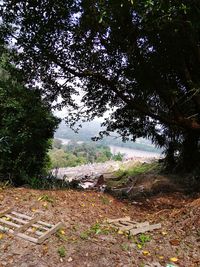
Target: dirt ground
(84, 241)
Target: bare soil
(85, 242)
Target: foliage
(139, 59)
(62, 251)
(26, 125)
(136, 169)
(91, 129)
(143, 239)
(95, 229)
(118, 157)
(75, 154)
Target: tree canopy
(26, 125)
(140, 59)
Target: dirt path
(85, 242)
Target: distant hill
(91, 129)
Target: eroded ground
(85, 242)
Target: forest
(75, 154)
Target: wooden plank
(26, 225)
(6, 229)
(116, 224)
(39, 233)
(134, 226)
(28, 238)
(16, 219)
(124, 227)
(144, 229)
(127, 218)
(50, 232)
(9, 223)
(127, 223)
(22, 228)
(2, 213)
(29, 218)
(23, 221)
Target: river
(128, 152)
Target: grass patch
(136, 169)
(125, 172)
(96, 229)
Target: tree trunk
(191, 152)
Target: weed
(46, 198)
(61, 252)
(84, 235)
(142, 240)
(96, 228)
(105, 200)
(125, 247)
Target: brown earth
(85, 242)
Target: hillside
(86, 241)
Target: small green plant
(84, 235)
(96, 229)
(46, 198)
(125, 247)
(62, 252)
(143, 239)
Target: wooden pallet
(133, 228)
(26, 227)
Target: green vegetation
(92, 129)
(62, 252)
(96, 229)
(26, 126)
(46, 198)
(139, 60)
(122, 175)
(143, 239)
(74, 154)
(135, 169)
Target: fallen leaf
(62, 232)
(146, 253)
(164, 233)
(173, 259)
(33, 209)
(174, 242)
(161, 257)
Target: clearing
(84, 241)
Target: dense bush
(26, 125)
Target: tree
(26, 126)
(139, 58)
